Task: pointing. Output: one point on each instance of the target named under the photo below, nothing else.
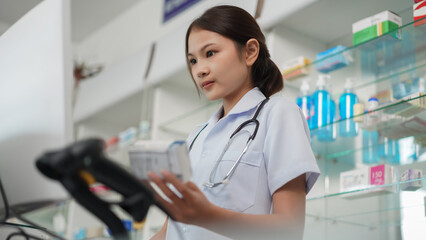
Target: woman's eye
(192, 61)
(210, 53)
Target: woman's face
(217, 66)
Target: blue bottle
(304, 101)
(389, 150)
(348, 128)
(324, 112)
(370, 152)
(370, 140)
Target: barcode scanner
(83, 163)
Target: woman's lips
(207, 84)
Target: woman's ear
(252, 51)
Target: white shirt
(280, 152)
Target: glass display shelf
(379, 60)
(185, 123)
(44, 218)
(373, 207)
(372, 130)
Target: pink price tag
(377, 175)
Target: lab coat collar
(249, 101)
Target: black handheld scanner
(83, 163)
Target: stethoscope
(228, 175)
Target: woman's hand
(191, 208)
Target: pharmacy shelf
(379, 60)
(44, 216)
(399, 120)
(373, 207)
(191, 119)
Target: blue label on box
(332, 59)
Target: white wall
(35, 98)
(137, 28)
(3, 27)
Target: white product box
(386, 16)
(295, 68)
(146, 156)
(354, 180)
(411, 174)
(366, 178)
(374, 26)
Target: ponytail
(238, 25)
(265, 73)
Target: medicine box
(367, 177)
(295, 68)
(374, 26)
(381, 175)
(333, 59)
(419, 12)
(411, 174)
(354, 180)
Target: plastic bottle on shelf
(324, 111)
(373, 117)
(304, 101)
(389, 150)
(370, 139)
(348, 128)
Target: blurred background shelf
(377, 208)
(378, 60)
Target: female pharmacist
(263, 196)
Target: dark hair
(238, 25)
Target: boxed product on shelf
(333, 59)
(411, 174)
(419, 12)
(411, 127)
(295, 68)
(374, 26)
(367, 177)
(381, 175)
(354, 180)
(393, 120)
(408, 106)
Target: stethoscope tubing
(225, 180)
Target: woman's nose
(202, 72)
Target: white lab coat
(280, 152)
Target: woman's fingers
(164, 188)
(177, 183)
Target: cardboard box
(354, 180)
(333, 59)
(295, 68)
(381, 175)
(411, 174)
(419, 12)
(363, 178)
(374, 26)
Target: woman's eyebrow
(202, 49)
